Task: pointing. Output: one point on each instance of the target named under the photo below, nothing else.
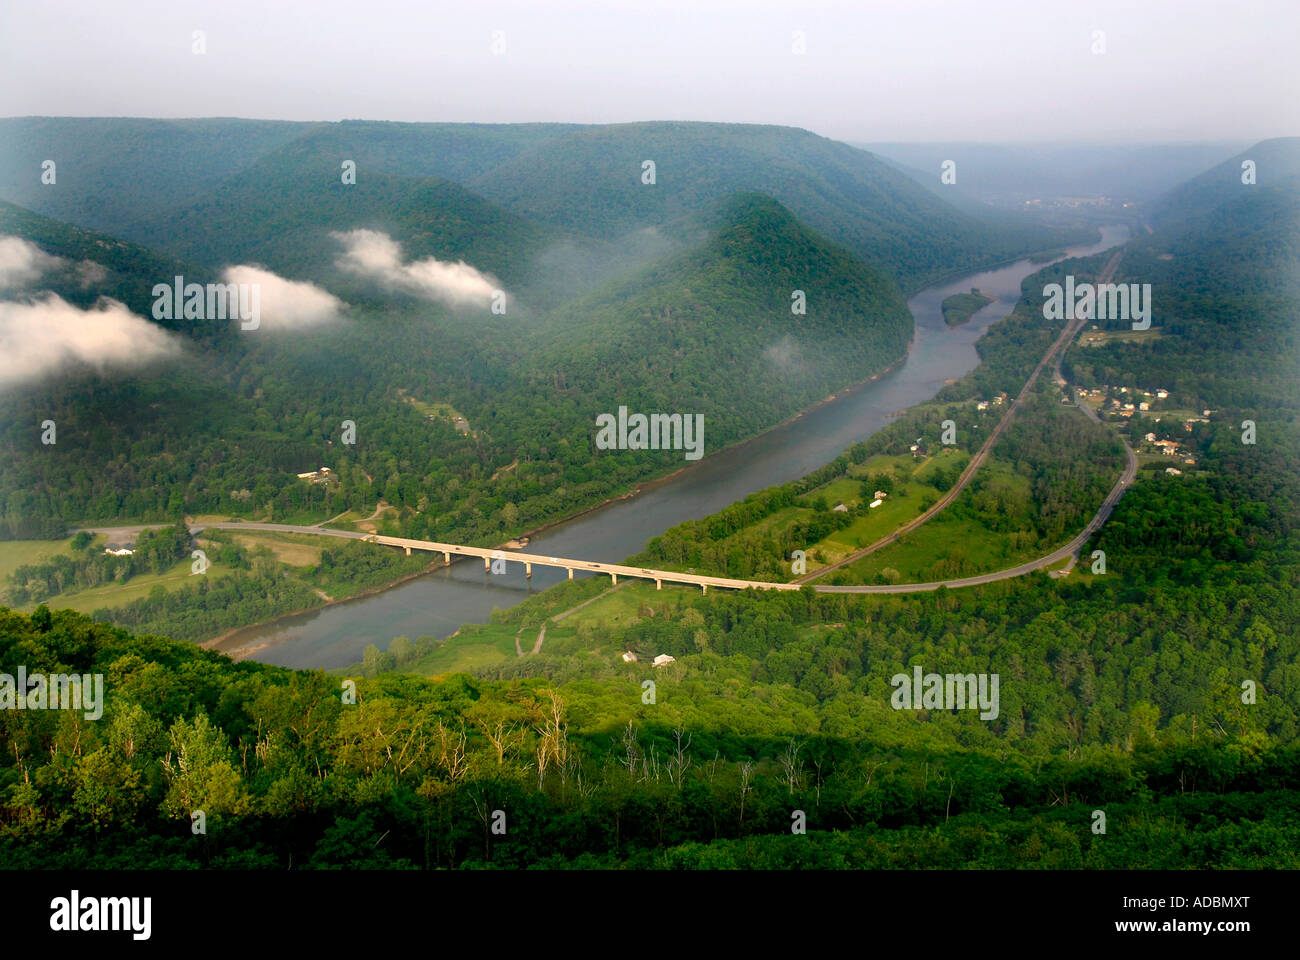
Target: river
(436, 604)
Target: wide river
(436, 604)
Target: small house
(663, 660)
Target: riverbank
(215, 642)
(620, 526)
(534, 533)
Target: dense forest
(288, 771)
(1163, 694)
(226, 428)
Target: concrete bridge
(529, 560)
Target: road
(1056, 350)
(615, 570)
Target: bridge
(529, 560)
(615, 570)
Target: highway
(616, 570)
(1056, 350)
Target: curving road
(1057, 351)
(615, 570)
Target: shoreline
(654, 482)
(211, 644)
(647, 486)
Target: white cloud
(22, 262)
(286, 304)
(90, 274)
(41, 337)
(374, 254)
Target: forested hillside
(135, 178)
(1269, 163)
(228, 429)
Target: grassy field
(909, 498)
(950, 545)
(1095, 338)
(293, 550)
(18, 553)
(435, 408)
(479, 645)
(582, 632)
(120, 594)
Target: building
(875, 503)
(629, 656)
(880, 494)
(1174, 471)
(113, 551)
(1149, 437)
(323, 475)
(663, 660)
(839, 508)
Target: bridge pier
(659, 584)
(408, 551)
(528, 571)
(446, 558)
(704, 588)
(487, 565)
(570, 573)
(614, 577)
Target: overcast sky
(873, 71)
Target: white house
(629, 656)
(875, 503)
(663, 660)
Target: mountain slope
(1277, 164)
(712, 331)
(591, 181)
(112, 171)
(96, 264)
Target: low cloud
(90, 274)
(785, 357)
(43, 336)
(286, 304)
(370, 253)
(22, 262)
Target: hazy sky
(872, 71)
